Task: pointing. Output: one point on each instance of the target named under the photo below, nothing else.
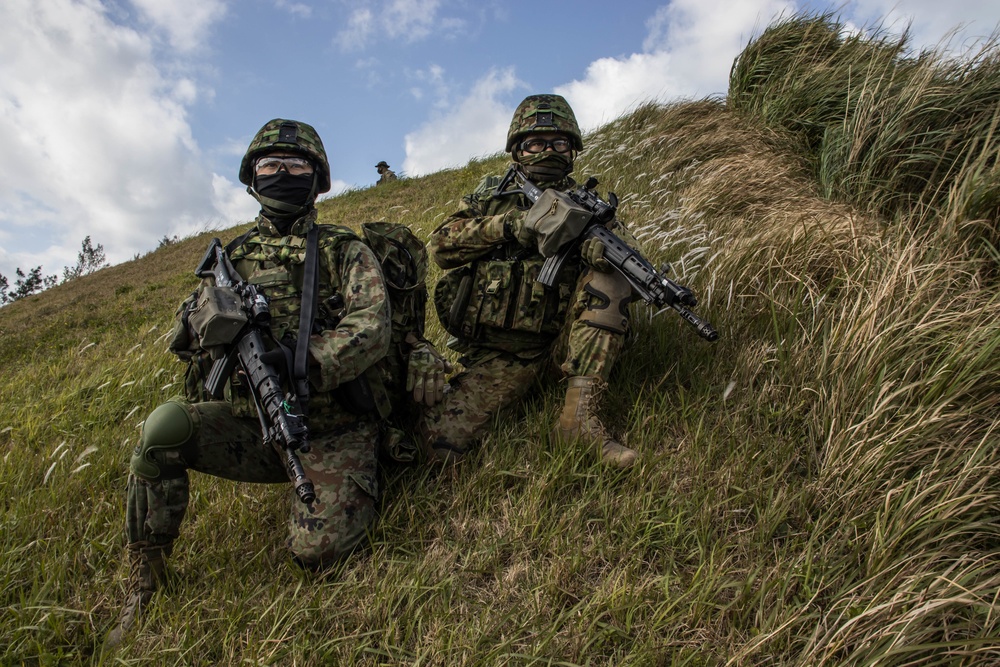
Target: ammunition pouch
(499, 303)
(552, 222)
(217, 317)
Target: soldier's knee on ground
(607, 307)
(163, 451)
(336, 525)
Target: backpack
(403, 258)
(404, 263)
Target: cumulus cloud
(688, 52)
(474, 126)
(185, 22)
(95, 137)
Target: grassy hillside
(820, 487)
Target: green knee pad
(166, 438)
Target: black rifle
(651, 285)
(281, 421)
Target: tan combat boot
(579, 421)
(148, 572)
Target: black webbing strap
(310, 284)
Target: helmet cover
(280, 135)
(543, 113)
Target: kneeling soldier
(285, 168)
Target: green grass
(819, 487)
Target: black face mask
(288, 189)
(547, 166)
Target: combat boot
(148, 566)
(579, 421)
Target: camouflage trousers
(341, 464)
(493, 380)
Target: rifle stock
(281, 420)
(651, 285)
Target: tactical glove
(552, 222)
(425, 373)
(592, 252)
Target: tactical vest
(495, 301)
(276, 265)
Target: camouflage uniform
(223, 437)
(387, 174)
(511, 330)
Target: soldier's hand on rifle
(425, 372)
(552, 222)
(592, 253)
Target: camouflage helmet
(383, 163)
(292, 136)
(543, 113)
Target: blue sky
(125, 120)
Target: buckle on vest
(493, 287)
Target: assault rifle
(241, 327)
(651, 285)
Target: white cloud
(231, 201)
(475, 126)
(186, 22)
(410, 19)
(931, 21)
(96, 139)
(360, 25)
(397, 20)
(298, 8)
(688, 53)
(433, 78)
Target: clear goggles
(271, 164)
(537, 145)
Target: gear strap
(310, 284)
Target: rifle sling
(310, 292)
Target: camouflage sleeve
(466, 235)
(362, 337)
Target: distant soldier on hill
(509, 328)
(285, 168)
(387, 174)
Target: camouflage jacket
(387, 175)
(353, 327)
(501, 305)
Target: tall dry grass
(817, 488)
(896, 133)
